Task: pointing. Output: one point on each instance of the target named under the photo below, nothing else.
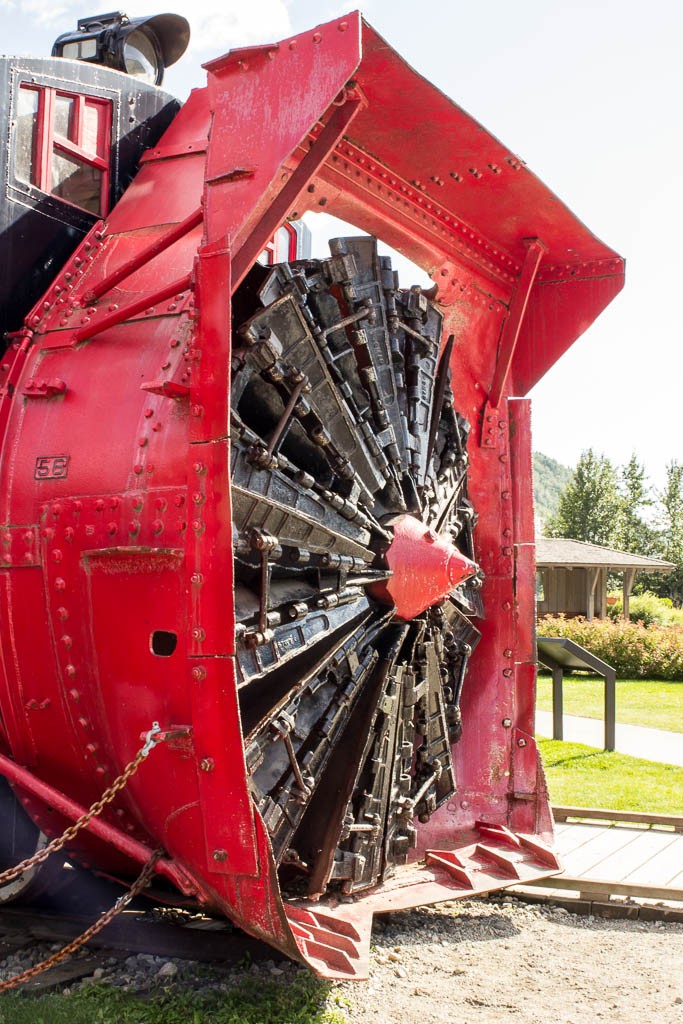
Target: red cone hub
(426, 567)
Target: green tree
(591, 506)
(671, 520)
(635, 533)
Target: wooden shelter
(572, 576)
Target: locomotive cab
(71, 136)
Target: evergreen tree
(671, 500)
(590, 507)
(635, 534)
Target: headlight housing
(142, 47)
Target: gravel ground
(482, 962)
(470, 962)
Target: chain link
(141, 882)
(94, 811)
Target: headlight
(142, 47)
(141, 57)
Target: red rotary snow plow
(285, 511)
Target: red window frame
(48, 140)
(272, 256)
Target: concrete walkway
(652, 744)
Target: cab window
(62, 144)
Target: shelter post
(627, 587)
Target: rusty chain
(141, 882)
(151, 738)
(93, 812)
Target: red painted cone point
(425, 566)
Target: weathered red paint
(135, 539)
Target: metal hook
(150, 738)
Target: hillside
(550, 479)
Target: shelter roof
(562, 552)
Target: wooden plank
(606, 843)
(608, 908)
(561, 813)
(660, 913)
(138, 932)
(618, 911)
(576, 836)
(604, 887)
(629, 857)
(661, 868)
(563, 828)
(61, 974)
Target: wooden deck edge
(605, 814)
(602, 887)
(600, 908)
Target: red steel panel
(209, 414)
(230, 838)
(521, 470)
(261, 113)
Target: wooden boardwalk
(624, 859)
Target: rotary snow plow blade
(285, 511)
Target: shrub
(636, 651)
(646, 608)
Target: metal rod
(149, 252)
(513, 323)
(181, 284)
(287, 740)
(461, 680)
(286, 416)
(558, 678)
(610, 710)
(72, 810)
(455, 492)
(265, 592)
(353, 318)
(426, 785)
(282, 204)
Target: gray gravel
(471, 962)
(144, 973)
(487, 961)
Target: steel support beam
(70, 809)
(512, 326)
(282, 203)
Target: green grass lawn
(580, 776)
(649, 702)
(307, 1000)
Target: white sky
(588, 93)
